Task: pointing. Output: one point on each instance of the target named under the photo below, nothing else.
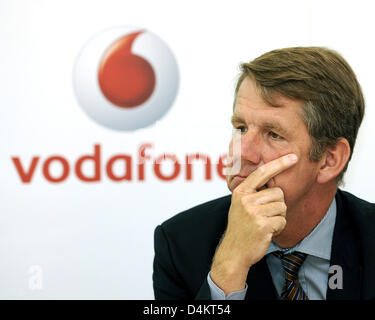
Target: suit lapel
(259, 281)
(345, 254)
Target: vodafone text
(26, 170)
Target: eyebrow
(236, 118)
(273, 126)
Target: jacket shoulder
(359, 207)
(362, 214)
(191, 237)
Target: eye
(275, 136)
(243, 129)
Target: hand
(254, 218)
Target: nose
(251, 147)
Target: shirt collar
(318, 241)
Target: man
(287, 231)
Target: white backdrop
(95, 240)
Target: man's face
(269, 132)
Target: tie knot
(291, 263)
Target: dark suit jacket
(185, 245)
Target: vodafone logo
(125, 78)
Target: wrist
(229, 276)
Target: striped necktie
(292, 289)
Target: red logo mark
(125, 79)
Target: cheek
(297, 180)
(290, 182)
(270, 153)
(286, 179)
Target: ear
(333, 161)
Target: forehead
(251, 106)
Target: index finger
(263, 174)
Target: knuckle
(243, 201)
(283, 222)
(280, 224)
(235, 192)
(259, 200)
(260, 224)
(252, 197)
(283, 206)
(279, 192)
(255, 210)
